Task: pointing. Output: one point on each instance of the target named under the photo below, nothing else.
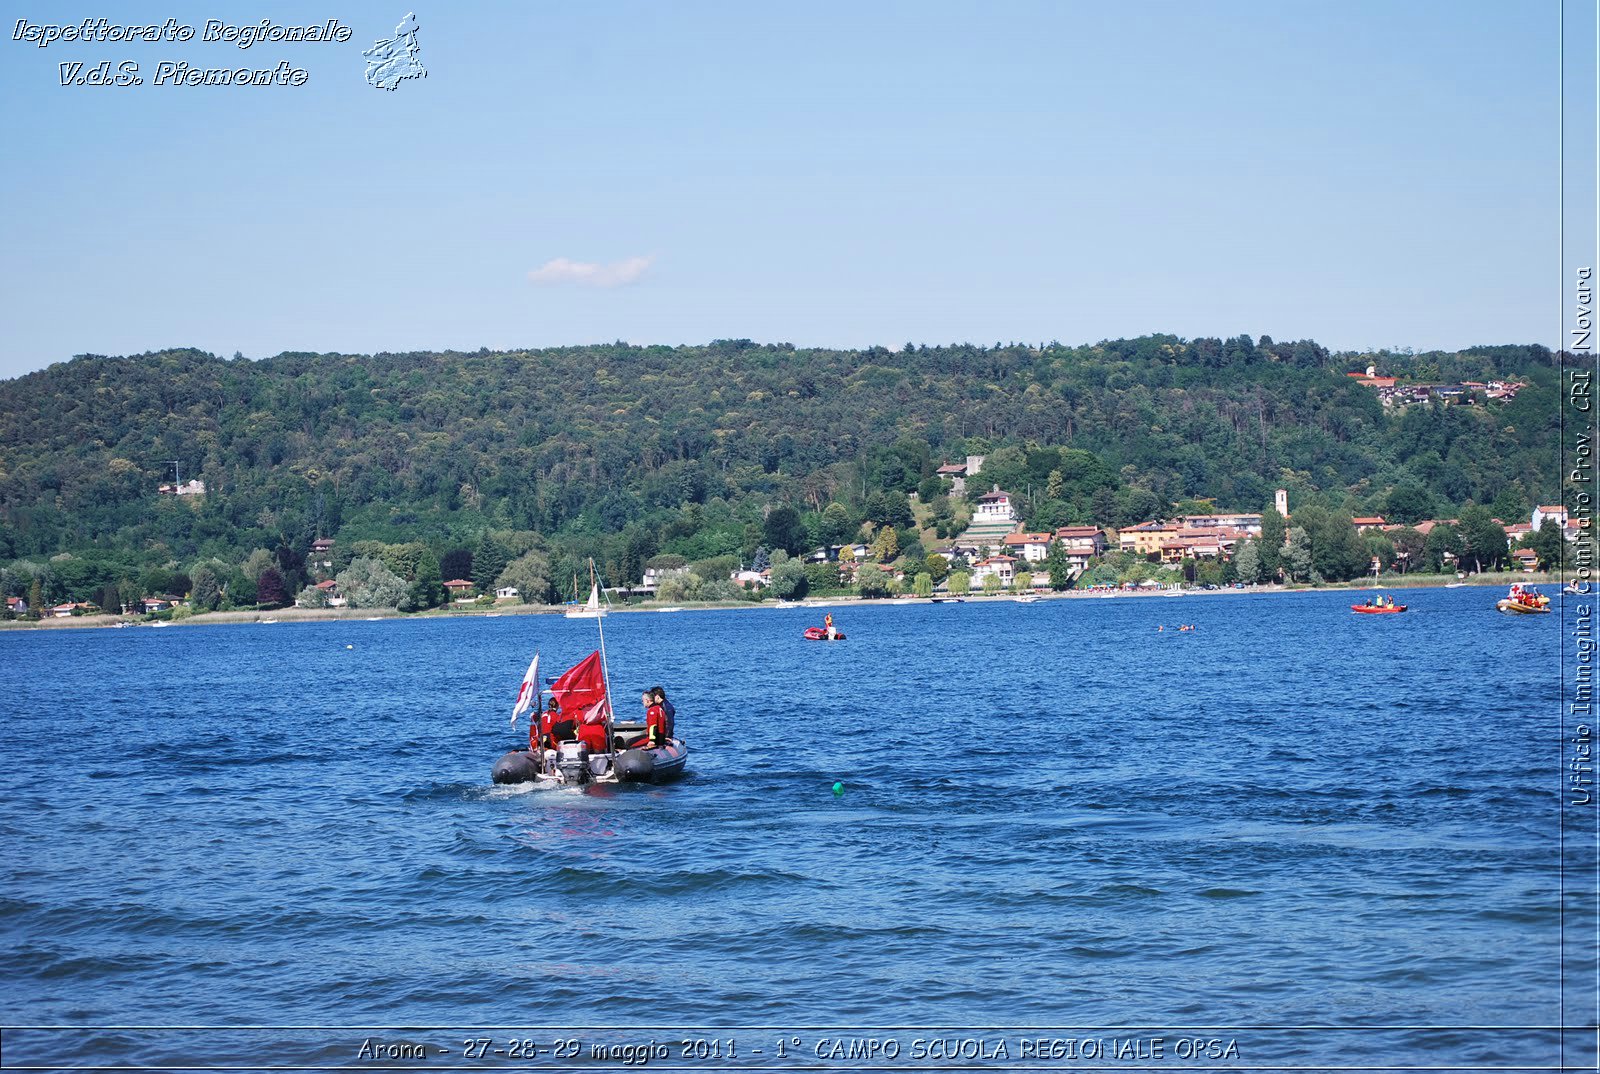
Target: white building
(1554, 512)
(1032, 547)
(1002, 567)
(994, 506)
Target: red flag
(581, 688)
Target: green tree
(897, 510)
(1409, 502)
(1443, 548)
(1551, 546)
(1297, 556)
(1410, 549)
(489, 558)
(872, 581)
(960, 584)
(257, 563)
(821, 576)
(837, 525)
(1484, 538)
(456, 563)
(312, 597)
(367, 583)
(788, 579)
(784, 529)
(427, 588)
(1022, 582)
(923, 584)
(991, 583)
(1058, 566)
(529, 573)
(938, 568)
(1274, 532)
(206, 591)
(1247, 562)
(885, 546)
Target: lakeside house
(159, 603)
(321, 554)
(507, 592)
(1146, 538)
(1002, 567)
(16, 606)
(1550, 512)
(1370, 522)
(330, 589)
(1030, 547)
(459, 588)
(1081, 544)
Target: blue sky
(1365, 174)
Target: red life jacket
(548, 720)
(593, 735)
(655, 722)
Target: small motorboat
(1517, 607)
(574, 764)
(1027, 598)
(947, 600)
(816, 633)
(1372, 609)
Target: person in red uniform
(592, 729)
(655, 721)
(553, 727)
(670, 726)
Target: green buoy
(838, 789)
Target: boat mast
(605, 671)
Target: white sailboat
(589, 609)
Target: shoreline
(319, 615)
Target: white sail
(591, 608)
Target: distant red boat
(1387, 609)
(816, 633)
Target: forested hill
(692, 444)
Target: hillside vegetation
(626, 452)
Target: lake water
(1053, 816)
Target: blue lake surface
(1053, 815)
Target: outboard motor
(573, 763)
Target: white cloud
(589, 273)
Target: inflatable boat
(816, 633)
(1517, 607)
(574, 764)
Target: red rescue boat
(1387, 609)
(816, 633)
